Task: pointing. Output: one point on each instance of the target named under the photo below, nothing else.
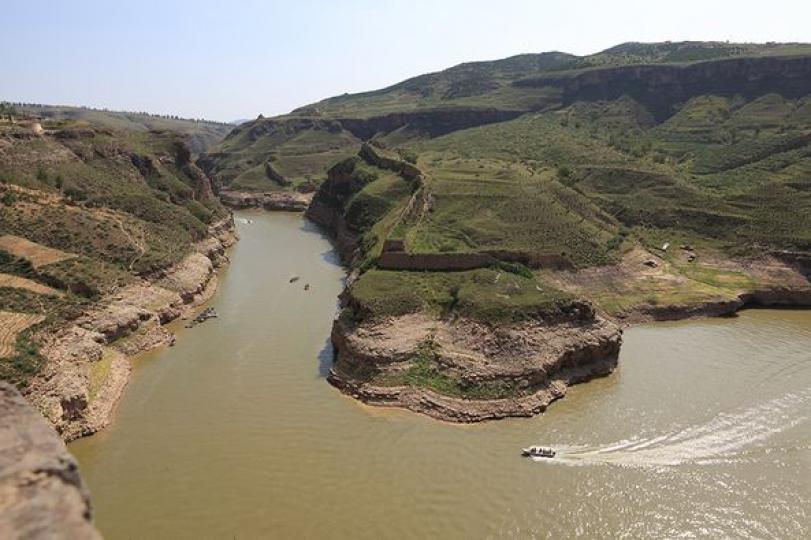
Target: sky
(229, 60)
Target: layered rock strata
(476, 371)
(86, 367)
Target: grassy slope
(299, 154)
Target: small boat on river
(538, 451)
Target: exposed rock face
(42, 494)
(86, 367)
(497, 371)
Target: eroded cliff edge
(87, 365)
(42, 494)
(469, 371)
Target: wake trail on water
(720, 440)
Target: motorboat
(538, 451)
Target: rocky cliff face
(328, 205)
(42, 494)
(86, 366)
(661, 87)
(468, 371)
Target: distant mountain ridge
(301, 145)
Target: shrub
(9, 198)
(408, 155)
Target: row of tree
(7, 110)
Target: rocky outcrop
(42, 494)
(284, 201)
(86, 366)
(475, 371)
(328, 205)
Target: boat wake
(725, 438)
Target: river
(703, 431)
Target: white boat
(538, 451)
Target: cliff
(661, 87)
(465, 370)
(432, 123)
(86, 367)
(42, 494)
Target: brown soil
(17, 282)
(37, 254)
(11, 324)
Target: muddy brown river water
(703, 431)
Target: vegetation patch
(426, 371)
(484, 294)
(99, 372)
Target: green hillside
(541, 163)
(285, 152)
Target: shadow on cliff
(331, 255)
(325, 358)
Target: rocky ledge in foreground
(42, 494)
(468, 371)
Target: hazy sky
(229, 59)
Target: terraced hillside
(86, 211)
(649, 180)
